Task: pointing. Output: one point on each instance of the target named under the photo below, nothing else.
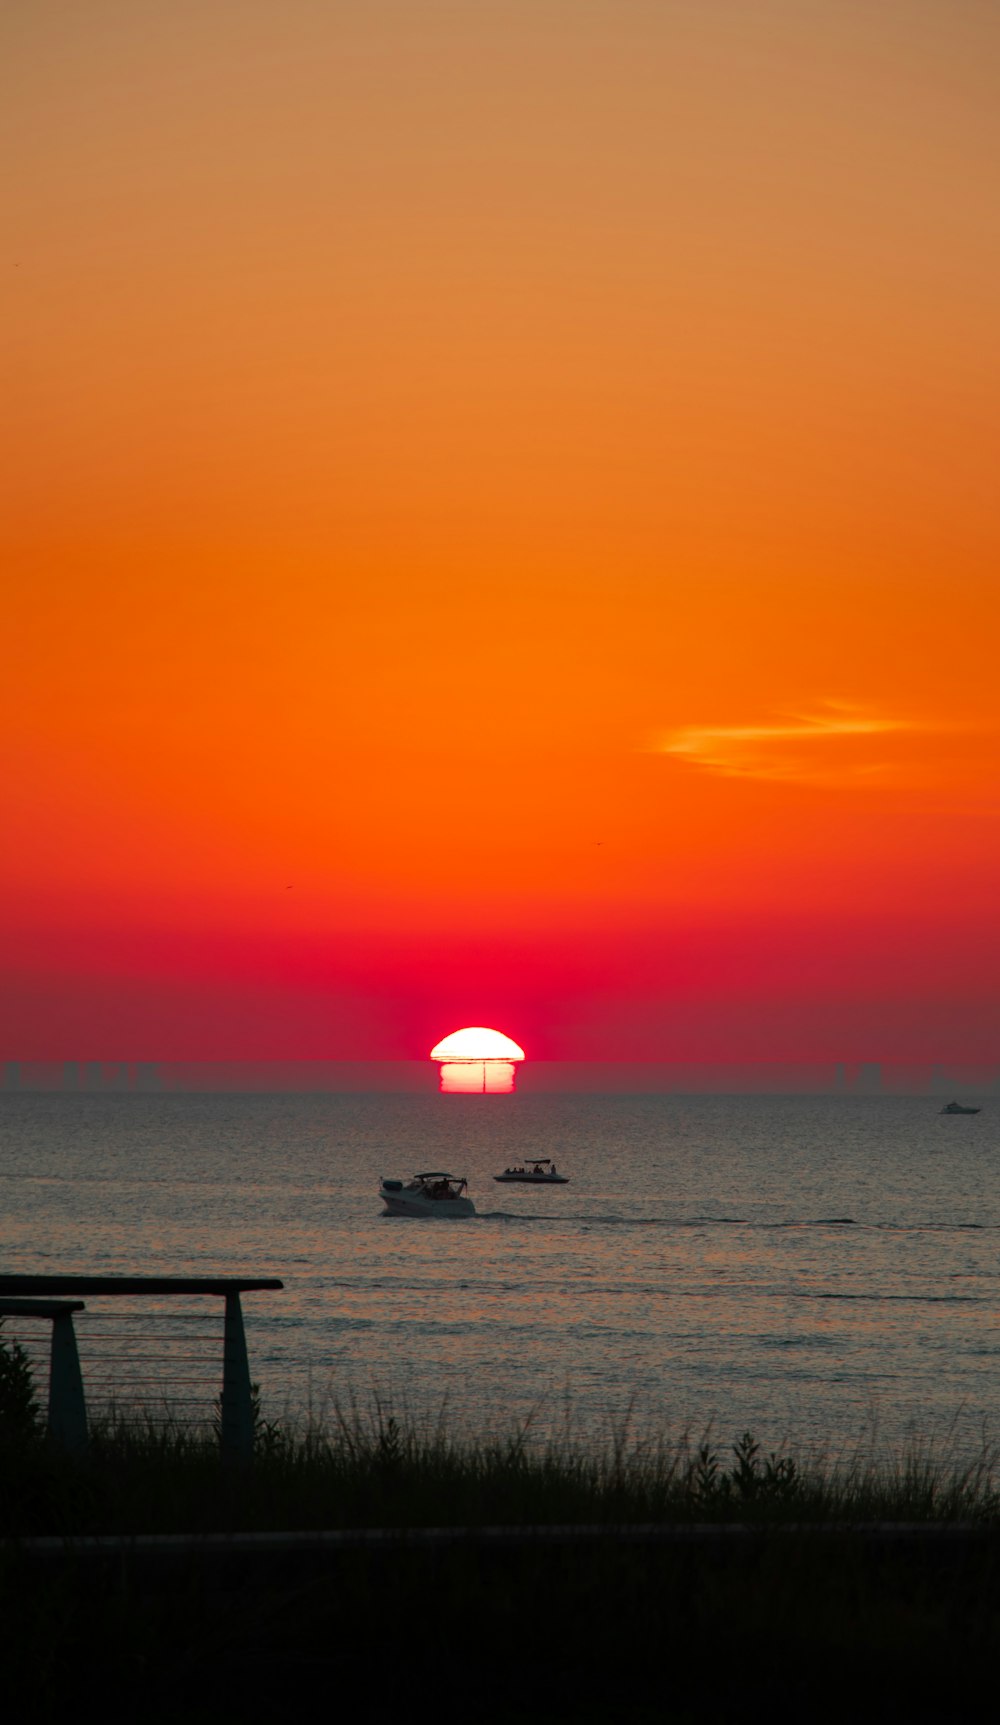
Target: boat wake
(613, 1220)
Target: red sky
(500, 528)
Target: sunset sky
(500, 527)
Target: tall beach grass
(371, 1465)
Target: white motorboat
(434, 1194)
(533, 1171)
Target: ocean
(822, 1271)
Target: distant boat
(958, 1108)
(535, 1171)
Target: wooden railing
(32, 1297)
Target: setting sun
(477, 1043)
(477, 1061)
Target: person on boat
(552, 1167)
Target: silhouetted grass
(803, 1620)
(369, 1468)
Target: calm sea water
(824, 1271)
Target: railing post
(67, 1408)
(237, 1401)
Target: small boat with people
(435, 1194)
(533, 1171)
(958, 1108)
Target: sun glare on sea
(477, 1061)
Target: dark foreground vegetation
(815, 1613)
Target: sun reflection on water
(477, 1077)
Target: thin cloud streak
(797, 749)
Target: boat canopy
(439, 1174)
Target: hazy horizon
(867, 1078)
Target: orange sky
(500, 527)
